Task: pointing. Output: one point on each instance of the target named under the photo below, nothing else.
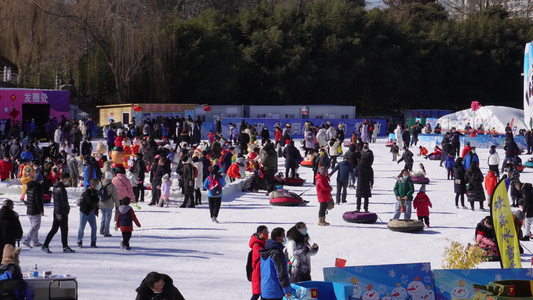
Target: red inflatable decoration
(137, 108)
(207, 108)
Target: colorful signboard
(457, 284)
(386, 282)
(11, 101)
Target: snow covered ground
(207, 260)
(490, 116)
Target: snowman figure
(460, 291)
(370, 294)
(429, 294)
(416, 289)
(356, 289)
(387, 297)
(399, 293)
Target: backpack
(249, 267)
(102, 193)
(215, 187)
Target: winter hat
(422, 189)
(322, 170)
(108, 175)
(165, 178)
(520, 215)
(10, 255)
(38, 177)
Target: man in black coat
(367, 154)
(34, 209)
(407, 156)
(10, 228)
(406, 137)
(511, 152)
(291, 155)
(139, 169)
(88, 208)
(157, 286)
(61, 211)
(243, 140)
(187, 177)
(527, 197)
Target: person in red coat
(234, 171)
(257, 242)
(6, 168)
(323, 192)
(490, 184)
(422, 204)
(466, 149)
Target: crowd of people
(175, 152)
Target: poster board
(386, 282)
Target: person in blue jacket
(214, 191)
(470, 157)
(346, 176)
(274, 273)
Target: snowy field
(207, 260)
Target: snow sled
(405, 225)
(47, 198)
(285, 201)
(420, 179)
(359, 217)
(346, 144)
(529, 163)
(489, 252)
(520, 168)
(292, 181)
(289, 181)
(147, 188)
(307, 164)
(434, 157)
(389, 144)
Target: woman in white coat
(198, 182)
(299, 252)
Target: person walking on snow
(323, 190)
(422, 204)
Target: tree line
(409, 54)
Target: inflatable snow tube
(359, 217)
(284, 202)
(529, 164)
(47, 198)
(420, 180)
(307, 164)
(405, 225)
(346, 144)
(434, 157)
(293, 181)
(389, 144)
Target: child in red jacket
(125, 219)
(421, 203)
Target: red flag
(339, 262)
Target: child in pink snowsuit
(165, 190)
(422, 204)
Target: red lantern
(207, 108)
(137, 108)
